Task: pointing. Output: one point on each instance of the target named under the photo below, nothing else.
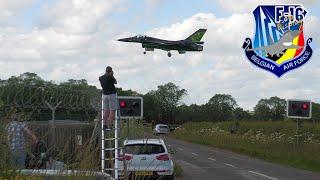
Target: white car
(161, 129)
(146, 158)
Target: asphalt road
(207, 163)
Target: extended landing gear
(169, 54)
(144, 52)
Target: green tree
(122, 92)
(221, 107)
(270, 109)
(164, 102)
(262, 110)
(189, 113)
(240, 114)
(315, 112)
(169, 96)
(28, 94)
(151, 108)
(278, 108)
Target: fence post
(52, 121)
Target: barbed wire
(36, 99)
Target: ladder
(110, 153)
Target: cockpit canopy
(140, 36)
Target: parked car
(147, 158)
(161, 129)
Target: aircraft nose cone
(124, 40)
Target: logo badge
(279, 44)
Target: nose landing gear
(169, 54)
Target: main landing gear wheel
(144, 52)
(169, 54)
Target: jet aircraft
(192, 43)
(285, 42)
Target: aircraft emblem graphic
(278, 45)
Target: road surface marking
(180, 149)
(213, 151)
(263, 175)
(169, 145)
(230, 165)
(212, 159)
(237, 158)
(194, 154)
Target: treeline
(164, 106)
(31, 97)
(30, 94)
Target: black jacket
(107, 84)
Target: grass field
(271, 141)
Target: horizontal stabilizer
(200, 42)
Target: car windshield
(163, 127)
(144, 149)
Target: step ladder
(110, 146)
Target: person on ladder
(109, 95)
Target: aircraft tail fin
(197, 36)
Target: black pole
(298, 130)
(128, 131)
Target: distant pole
(298, 130)
(314, 122)
(128, 130)
(52, 121)
(53, 109)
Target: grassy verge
(271, 141)
(177, 170)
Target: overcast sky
(64, 39)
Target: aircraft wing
(263, 48)
(164, 43)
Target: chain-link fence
(42, 102)
(51, 127)
(66, 122)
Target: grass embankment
(177, 170)
(271, 141)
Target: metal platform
(57, 173)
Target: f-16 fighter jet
(192, 43)
(285, 42)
